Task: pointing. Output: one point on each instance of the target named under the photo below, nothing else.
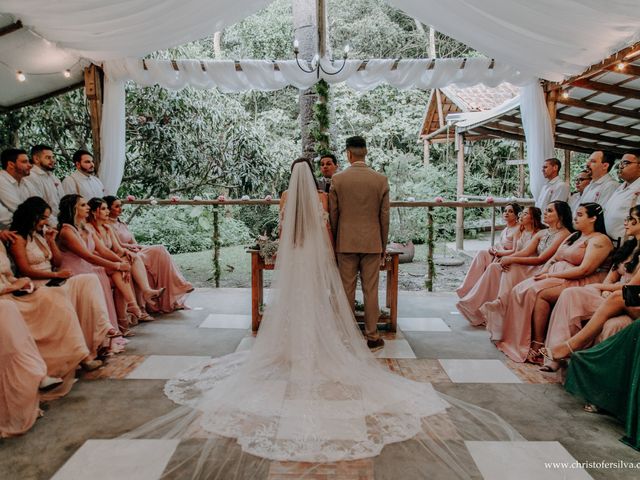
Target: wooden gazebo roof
(596, 110)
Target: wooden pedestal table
(258, 266)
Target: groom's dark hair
(357, 145)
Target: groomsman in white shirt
(582, 182)
(42, 181)
(554, 188)
(83, 181)
(13, 189)
(602, 183)
(627, 195)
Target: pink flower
(130, 198)
(438, 199)
(268, 198)
(221, 198)
(490, 199)
(174, 198)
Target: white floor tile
(162, 367)
(523, 461)
(424, 324)
(395, 349)
(226, 320)
(246, 344)
(109, 459)
(478, 371)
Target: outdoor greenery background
(202, 142)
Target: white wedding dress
(309, 389)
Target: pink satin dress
(483, 259)
(83, 290)
(71, 261)
(490, 284)
(575, 306)
(21, 371)
(516, 338)
(53, 324)
(162, 271)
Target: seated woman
(575, 263)
(82, 252)
(505, 246)
(36, 254)
(162, 271)
(577, 304)
(534, 245)
(98, 217)
(22, 371)
(607, 376)
(52, 322)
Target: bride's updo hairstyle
(308, 162)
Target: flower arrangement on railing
(268, 248)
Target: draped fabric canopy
(549, 39)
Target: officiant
(328, 166)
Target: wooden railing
(428, 204)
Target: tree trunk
(305, 31)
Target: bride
(309, 389)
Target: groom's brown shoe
(375, 345)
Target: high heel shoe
(49, 383)
(90, 365)
(138, 314)
(152, 296)
(534, 356)
(552, 362)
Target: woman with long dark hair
(575, 263)
(162, 271)
(578, 304)
(37, 256)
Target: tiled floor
(221, 319)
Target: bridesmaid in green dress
(607, 376)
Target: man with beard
(83, 181)
(42, 181)
(13, 189)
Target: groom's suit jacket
(359, 210)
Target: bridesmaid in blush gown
(575, 263)
(21, 372)
(506, 246)
(578, 304)
(162, 271)
(523, 265)
(36, 254)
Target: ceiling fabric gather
(229, 76)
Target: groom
(359, 214)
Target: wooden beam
(586, 147)
(93, 90)
(460, 192)
(606, 88)
(622, 112)
(567, 166)
(627, 70)
(6, 30)
(41, 98)
(596, 136)
(596, 124)
(499, 133)
(551, 107)
(521, 171)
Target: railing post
(460, 192)
(430, 247)
(493, 225)
(216, 246)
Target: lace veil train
(309, 389)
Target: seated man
(13, 188)
(582, 181)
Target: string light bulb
(20, 76)
(67, 73)
(621, 66)
(565, 94)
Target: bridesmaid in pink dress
(161, 269)
(575, 263)
(35, 254)
(500, 276)
(21, 372)
(506, 246)
(612, 309)
(81, 254)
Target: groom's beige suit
(359, 215)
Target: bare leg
(542, 312)
(139, 274)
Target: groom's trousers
(368, 264)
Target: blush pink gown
(71, 261)
(21, 371)
(483, 259)
(577, 305)
(83, 290)
(53, 324)
(161, 271)
(516, 338)
(490, 284)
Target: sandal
(534, 356)
(591, 408)
(137, 314)
(547, 352)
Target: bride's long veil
(309, 389)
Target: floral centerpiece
(268, 248)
